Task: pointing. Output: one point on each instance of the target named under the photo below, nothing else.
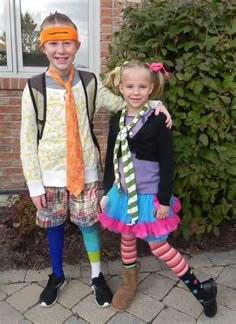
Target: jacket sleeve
(109, 176)
(166, 162)
(29, 146)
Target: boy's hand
(159, 107)
(39, 201)
(162, 212)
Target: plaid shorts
(83, 211)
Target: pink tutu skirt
(148, 227)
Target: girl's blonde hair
(57, 18)
(114, 78)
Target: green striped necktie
(126, 158)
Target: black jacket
(153, 142)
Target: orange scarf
(74, 158)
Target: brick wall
(11, 177)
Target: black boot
(210, 291)
(205, 291)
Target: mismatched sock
(190, 280)
(130, 265)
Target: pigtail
(112, 80)
(158, 80)
(158, 74)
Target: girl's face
(135, 86)
(61, 54)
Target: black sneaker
(210, 291)
(48, 296)
(102, 292)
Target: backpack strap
(89, 83)
(37, 89)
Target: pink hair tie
(157, 66)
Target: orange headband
(58, 33)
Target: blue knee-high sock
(56, 243)
(92, 244)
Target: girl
(138, 180)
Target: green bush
(196, 40)
(22, 219)
(21, 223)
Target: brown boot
(126, 293)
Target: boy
(60, 164)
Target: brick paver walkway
(161, 298)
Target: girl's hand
(162, 212)
(159, 107)
(39, 201)
(103, 202)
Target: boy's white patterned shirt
(45, 164)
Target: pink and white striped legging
(162, 250)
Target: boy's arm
(106, 99)
(159, 107)
(29, 146)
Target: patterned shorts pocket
(57, 207)
(84, 209)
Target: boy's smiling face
(61, 54)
